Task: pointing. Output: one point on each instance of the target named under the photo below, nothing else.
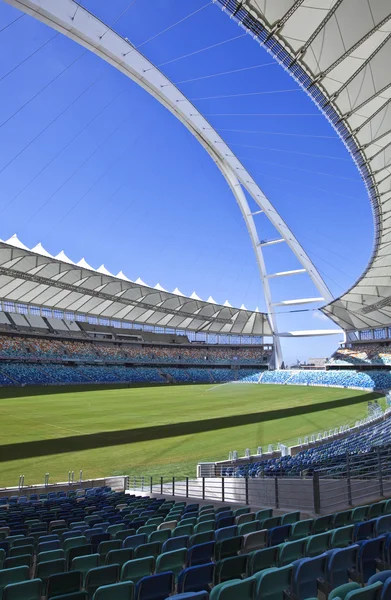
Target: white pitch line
(218, 385)
(44, 423)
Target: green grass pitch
(160, 431)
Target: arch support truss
(74, 21)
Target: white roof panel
(339, 52)
(37, 278)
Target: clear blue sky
(92, 165)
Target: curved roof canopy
(339, 51)
(36, 277)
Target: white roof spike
(211, 300)
(226, 303)
(63, 258)
(139, 281)
(257, 309)
(160, 288)
(122, 275)
(15, 241)
(102, 269)
(39, 249)
(84, 264)
(243, 307)
(178, 292)
(194, 296)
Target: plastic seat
(101, 576)
(301, 529)
(147, 529)
(306, 573)
(175, 543)
(135, 570)
(64, 583)
(151, 549)
(85, 564)
(52, 555)
(342, 537)
(78, 551)
(317, 544)
(25, 590)
(340, 562)
(290, 518)
(124, 590)
(48, 546)
(228, 547)
(119, 557)
(278, 535)
(133, 541)
(205, 526)
(262, 559)
(105, 547)
(97, 539)
(250, 527)
(171, 561)
(273, 583)
(263, 514)
(370, 592)
(11, 576)
(234, 590)
(21, 550)
(200, 554)
(44, 570)
(382, 525)
(223, 521)
(155, 587)
(182, 530)
(201, 538)
(18, 561)
(376, 510)
(167, 525)
(382, 576)
(368, 554)
(342, 518)
(364, 530)
(359, 514)
(192, 596)
(322, 524)
(254, 541)
(73, 543)
(125, 533)
(234, 567)
(242, 518)
(271, 522)
(159, 535)
(196, 579)
(290, 551)
(226, 532)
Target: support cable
(168, 62)
(105, 70)
(266, 162)
(264, 93)
(70, 141)
(174, 25)
(226, 73)
(102, 143)
(262, 114)
(118, 18)
(306, 135)
(29, 56)
(269, 149)
(44, 88)
(12, 22)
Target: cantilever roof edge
(37, 278)
(338, 51)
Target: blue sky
(92, 165)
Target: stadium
(155, 444)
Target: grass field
(157, 430)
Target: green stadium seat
(182, 530)
(25, 590)
(51, 555)
(201, 538)
(171, 561)
(124, 590)
(10, 576)
(205, 526)
(134, 570)
(234, 567)
(106, 575)
(259, 560)
(342, 537)
(359, 514)
(63, 583)
(301, 529)
(105, 547)
(290, 518)
(290, 551)
(150, 549)
(234, 590)
(159, 536)
(317, 544)
(119, 557)
(85, 564)
(228, 547)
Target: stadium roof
(35, 277)
(339, 51)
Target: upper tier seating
(362, 354)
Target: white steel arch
(72, 20)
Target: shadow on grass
(107, 439)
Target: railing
(342, 483)
(117, 483)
